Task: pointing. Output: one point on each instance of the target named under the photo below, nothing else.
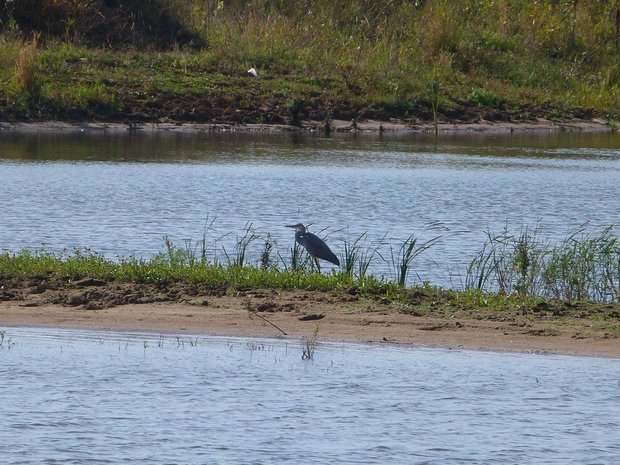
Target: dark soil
(96, 294)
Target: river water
(119, 195)
(77, 397)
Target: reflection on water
(119, 195)
(296, 148)
(80, 397)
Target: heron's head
(297, 227)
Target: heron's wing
(319, 249)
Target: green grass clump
(161, 270)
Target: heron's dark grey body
(314, 245)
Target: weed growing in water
(309, 345)
(9, 342)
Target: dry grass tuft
(27, 70)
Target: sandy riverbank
(296, 314)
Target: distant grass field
(186, 60)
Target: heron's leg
(318, 267)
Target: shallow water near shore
(119, 195)
(99, 397)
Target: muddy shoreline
(296, 314)
(336, 126)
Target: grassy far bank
(186, 60)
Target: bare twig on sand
(252, 312)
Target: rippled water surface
(94, 398)
(120, 194)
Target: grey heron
(314, 245)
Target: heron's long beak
(297, 227)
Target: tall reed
(509, 262)
(401, 261)
(208, 224)
(357, 258)
(298, 261)
(434, 89)
(585, 265)
(238, 256)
